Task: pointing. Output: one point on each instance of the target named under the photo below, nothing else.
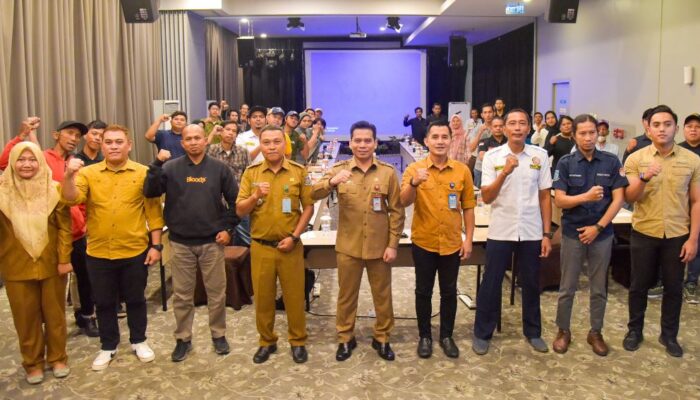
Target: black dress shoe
(263, 353)
(632, 340)
(299, 354)
(221, 346)
(181, 350)
(88, 326)
(345, 350)
(425, 347)
(383, 349)
(672, 347)
(449, 347)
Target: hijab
(28, 203)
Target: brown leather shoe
(595, 339)
(561, 343)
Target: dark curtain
(503, 67)
(281, 84)
(445, 84)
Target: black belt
(271, 243)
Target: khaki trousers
(267, 264)
(350, 270)
(210, 259)
(33, 304)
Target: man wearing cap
(369, 229)
(200, 225)
(443, 193)
(168, 139)
(297, 142)
(691, 132)
(67, 136)
(318, 112)
(276, 193)
(118, 253)
(517, 182)
(250, 140)
(665, 189)
(91, 152)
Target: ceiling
(425, 22)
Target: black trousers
(79, 261)
(647, 253)
(113, 280)
(499, 255)
(427, 264)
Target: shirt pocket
(680, 177)
(605, 182)
(577, 185)
(130, 191)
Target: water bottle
(326, 221)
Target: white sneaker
(143, 352)
(104, 357)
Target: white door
(560, 98)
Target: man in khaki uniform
(277, 194)
(370, 226)
(665, 189)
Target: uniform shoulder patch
(256, 164)
(296, 164)
(384, 163)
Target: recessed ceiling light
(244, 20)
(263, 35)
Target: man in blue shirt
(589, 187)
(168, 139)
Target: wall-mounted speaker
(140, 11)
(246, 52)
(457, 52)
(562, 11)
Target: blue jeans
(242, 237)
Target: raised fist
(263, 189)
(163, 155)
(595, 193)
(28, 125)
(74, 165)
(511, 164)
(341, 177)
(420, 177)
(164, 117)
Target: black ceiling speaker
(246, 52)
(562, 11)
(457, 52)
(140, 11)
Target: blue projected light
(380, 86)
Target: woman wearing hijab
(459, 147)
(34, 260)
(551, 127)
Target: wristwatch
(294, 238)
(548, 235)
(158, 247)
(641, 177)
(599, 227)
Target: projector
(358, 35)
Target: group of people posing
(248, 187)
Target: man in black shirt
(90, 154)
(419, 125)
(640, 141)
(691, 132)
(200, 225)
(437, 114)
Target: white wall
(621, 57)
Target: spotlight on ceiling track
(295, 23)
(393, 23)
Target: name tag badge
(377, 202)
(287, 205)
(452, 201)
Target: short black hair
(269, 128)
(484, 106)
(583, 118)
(97, 124)
(229, 122)
(495, 117)
(437, 104)
(556, 119)
(563, 117)
(418, 108)
(499, 98)
(176, 113)
(363, 125)
(662, 108)
(322, 121)
(212, 104)
(537, 112)
(646, 115)
(197, 122)
(438, 123)
(517, 110)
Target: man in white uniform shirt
(251, 139)
(516, 181)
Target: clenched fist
(653, 170)
(74, 165)
(164, 117)
(263, 189)
(341, 177)
(28, 125)
(511, 164)
(163, 155)
(420, 177)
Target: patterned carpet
(510, 371)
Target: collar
(429, 163)
(353, 164)
(654, 151)
(130, 165)
(578, 156)
(53, 153)
(266, 166)
(190, 162)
